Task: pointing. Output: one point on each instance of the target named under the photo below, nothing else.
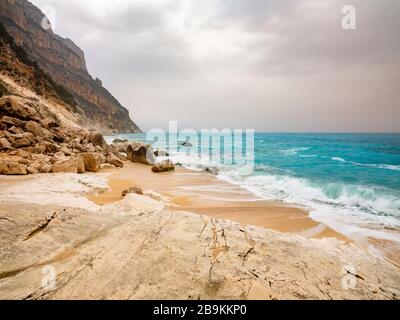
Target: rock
(59, 157)
(13, 121)
(112, 159)
(22, 140)
(107, 166)
(92, 161)
(163, 166)
(161, 153)
(120, 141)
(32, 170)
(23, 154)
(141, 153)
(50, 123)
(39, 148)
(135, 190)
(16, 107)
(37, 130)
(45, 168)
(16, 130)
(186, 144)
(65, 166)
(51, 148)
(4, 144)
(75, 165)
(80, 165)
(97, 139)
(12, 168)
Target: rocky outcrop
(35, 140)
(65, 63)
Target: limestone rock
(135, 190)
(97, 139)
(37, 130)
(22, 140)
(4, 144)
(112, 159)
(13, 121)
(163, 166)
(141, 153)
(92, 161)
(12, 168)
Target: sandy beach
(150, 247)
(203, 193)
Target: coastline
(203, 193)
(141, 248)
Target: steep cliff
(65, 63)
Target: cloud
(270, 65)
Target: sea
(350, 182)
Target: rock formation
(65, 63)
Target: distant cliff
(65, 63)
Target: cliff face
(65, 63)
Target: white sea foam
(378, 166)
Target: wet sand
(203, 193)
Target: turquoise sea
(349, 181)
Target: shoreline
(202, 193)
(140, 247)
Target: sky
(272, 66)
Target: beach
(103, 246)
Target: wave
(368, 165)
(293, 151)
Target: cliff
(65, 63)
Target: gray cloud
(270, 65)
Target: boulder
(37, 130)
(51, 148)
(80, 165)
(112, 159)
(12, 168)
(13, 121)
(107, 166)
(44, 168)
(141, 153)
(163, 166)
(32, 170)
(50, 123)
(4, 144)
(65, 166)
(15, 106)
(97, 139)
(92, 161)
(135, 190)
(15, 130)
(22, 140)
(120, 141)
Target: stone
(13, 121)
(65, 166)
(50, 123)
(32, 170)
(141, 153)
(163, 166)
(16, 107)
(22, 140)
(4, 144)
(107, 166)
(51, 148)
(12, 168)
(92, 161)
(80, 165)
(135, 190)
(16, 130)
(120, 141)
(37, 130)
(44, 168)
(97, 139)
(112, 159)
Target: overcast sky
(283, 65)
